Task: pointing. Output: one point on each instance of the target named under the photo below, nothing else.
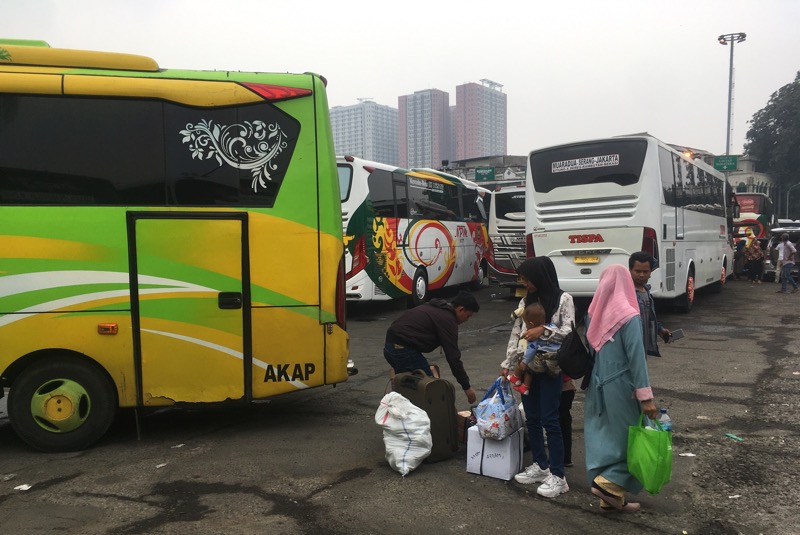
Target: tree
(774, 134)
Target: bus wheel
(717, 286)
(419, 288)
(684, 303)
(61, 404)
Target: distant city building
(481, 120)
(367, 130)
(424, 128)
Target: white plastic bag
(497, 414)
(406, 432)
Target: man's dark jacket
(427, 327)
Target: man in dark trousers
(641, 265)
(426, 327)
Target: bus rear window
(617, 162)
(509, 205)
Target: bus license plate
(587, 259)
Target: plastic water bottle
(665, 420)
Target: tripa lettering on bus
(585, 238)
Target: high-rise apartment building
(481, 120)
(367, 130)
(424, 128)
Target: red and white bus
(409, 231)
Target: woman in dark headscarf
(542, 403)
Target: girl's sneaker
(532, 474)
(553, 486)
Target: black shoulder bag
(573, 357)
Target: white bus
(506, 235)
(592, 204)
(409, 231)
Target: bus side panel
(59, 281)
(386, 257)
(287, 265)
(310, 261)
(476, 249)
(330, 206)
(288, 350)
(709, 249)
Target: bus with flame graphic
(409, 231)
(148, 219)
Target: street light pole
(724, 39)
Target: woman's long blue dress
(620, 368)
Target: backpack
(573, 357)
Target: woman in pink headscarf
(619, 388)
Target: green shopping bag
(650, 455)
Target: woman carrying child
(542, 404)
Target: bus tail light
(650, 242)
(490, 253)
(530, 250)
(359, 257)
(341, 316)
(275, 93)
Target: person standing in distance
(787, 257)
(426, 327)
(641, 265)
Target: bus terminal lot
(313, 462)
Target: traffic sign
(484, 173)
(726, 163)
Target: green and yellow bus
(166, 236)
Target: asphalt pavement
(313, 462)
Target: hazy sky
(572, 70)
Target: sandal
(613, 500)
(605, 508)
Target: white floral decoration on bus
(243, 146)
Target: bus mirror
(736, 211)
(481, 209)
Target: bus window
(345, 181)
(588, 163)
(381, 193)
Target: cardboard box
(501, 459)
(464, 420)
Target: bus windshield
(619, 162)
(751, 203)
(756, 212)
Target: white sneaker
(553, 486)
(532, 474)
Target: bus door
(190, 307)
